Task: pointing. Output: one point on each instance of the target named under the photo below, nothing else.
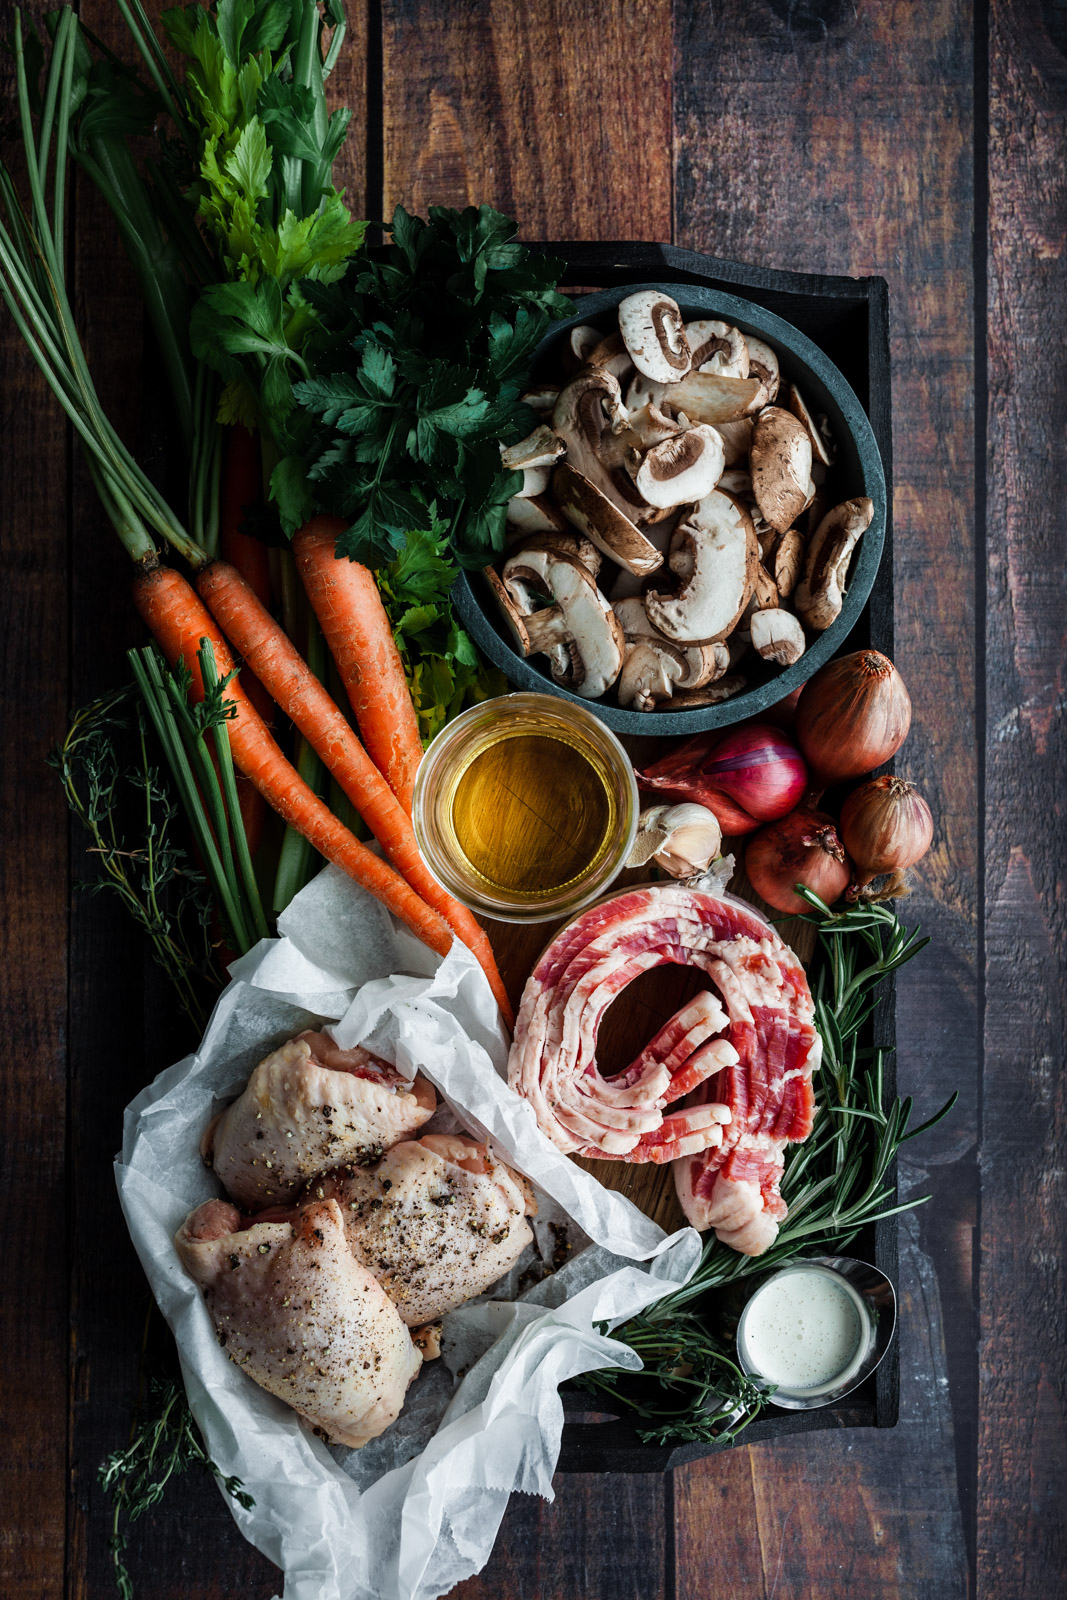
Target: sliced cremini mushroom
(591, 420)
(654, 667)
(579, 631)
(542, 399)
(710, 695)
(764, 590)
(651, 426)
(539, 449)
(536, 514)
(535, 481)
(612, 355)
(600, 519)
(717, 347)
(763, 364)
(685, 467)
(568, 543)
(735, 481)
(788, 559)
(820, 596)
(777, 636)
(780, 463)
(702, 396)
(822, 445)
(577, 345)
(736, 438)
(715, 555)
(654, 334)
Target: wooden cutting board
(637, 1013)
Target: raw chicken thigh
(296, 1312)
(309, 1106)
(437, 1221)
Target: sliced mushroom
(654, 334)
(612, 355)
(717, 347)
(715, 555)
(568, 543)
(577, 345)
(535, 481)
(600, 519)
(579, 631)
(537, 514)
(780, 463)
(736, 438)
(651, 426)
(539, 449)
(764, 590)
(710, 695)
(788, 558)
(736, 482)
(542, 399)
(713, 397)
(821, 595)
(763, 364)
(687, 466)
(654, 667)
(777, 636)
(822, 445)
(591, 420)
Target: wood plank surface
(34, 507)
(825, 136)
(1022, 1506)
(837, 138)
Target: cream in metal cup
(449, 760)
(816, 1330)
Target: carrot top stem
(213, 686)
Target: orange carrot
(179, 621)
(282, 670)
(346, 601)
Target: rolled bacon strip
(743, 1053)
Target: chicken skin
(436, 1221)
(298, 1313)
(308, 1106)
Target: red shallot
(801, 848)
(752, 774)
(853, 715)
(887, 827)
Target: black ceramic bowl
(857, 471)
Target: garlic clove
(682, 839)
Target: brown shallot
(803, 847)
(887, 827)
(853, 715)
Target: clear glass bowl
(453, 753)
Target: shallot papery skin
(853, 715)
(801, 848)
(887, 827)
(751, 774)
(747, 1048)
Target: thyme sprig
(837, 1182)
(164, 1442)
(129, 809)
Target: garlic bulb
(682, 839)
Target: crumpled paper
(417, 1510)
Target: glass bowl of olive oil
(525, 807)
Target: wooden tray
(849, 319)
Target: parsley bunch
(443, 669)
(420, 364)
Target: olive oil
(532, 812)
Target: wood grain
(527, 107)
(33, 970)
(1022, 1544)
(838, 139)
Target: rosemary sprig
(164, 1442)
(836, 1183)
(129, 809)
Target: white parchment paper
(417, 1510)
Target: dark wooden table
(921, 142)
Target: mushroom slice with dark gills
(682, 468)
(591, 420)
(578, 631)
(654, 335)
(655, 668)
(308, 1106)
(820, 596)
(600, 519)
(300, 1315)
(717, 347)
(437, 1221)
(715, 555)
(763, 364)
